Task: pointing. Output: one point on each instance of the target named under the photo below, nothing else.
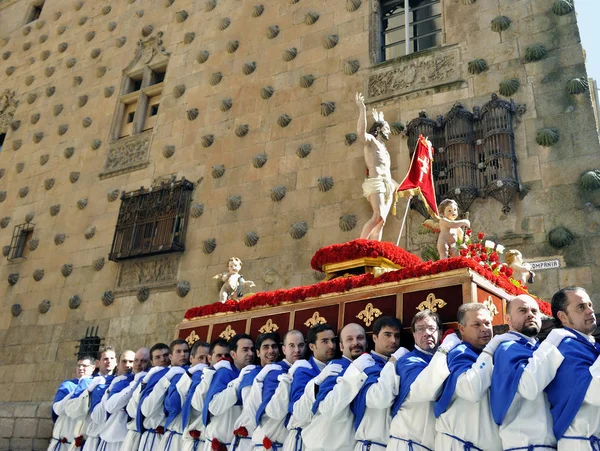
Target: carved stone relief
(150, 272)
(8, 105)
(414, 73)
(127, 154)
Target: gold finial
(369, 314)
(228, 333)
(269, 326)
(431, 303)
(314, 320)
(192, 338)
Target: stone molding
(153, 272)
(8, 105)
(127, 154)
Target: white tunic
(224, 413)
(195, 421)
(63, 428)
(469, 416)
(172, 440)
(132, 439)
(415, 420)
(154, 415)
(77, 409)
(251, 399)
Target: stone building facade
(252, 102)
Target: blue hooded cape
(359, 404)
(302, 376)
(187, 404)
(270, 384)
(172, 401)
(121, 385)
(221, 379)
(567, 390)
(408, 368)
(247, 381)
(330, 383)
(510, 359)
(64, 389)
(146, 390)
(460, 360)
(98, 392)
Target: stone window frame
(22, 234)
(34, 11)
(375, 36)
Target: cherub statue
(450, 229)
(379, 188)
(521, 270)
(234, 284)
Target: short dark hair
(311, 336)
(87, 357)
(104, 349)
(560, 301)
(426, 314)
(386, 321)
(377, 124)
(468, 307)
(198, 344)
(267, 336)
(234, 341)
(178, 341)
(218, 342)
(158, 347)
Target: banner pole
(403, 220)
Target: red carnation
(477, 259)
(79, 441)
(464, 252)
(503, 268)
(216, 445)
(480, 235)
(267, 443)
(241, 432)
(63, 440)
(494, 257)
(195, 434)
(468, 232)
(483, 256)
(160, 430)
(509, 272)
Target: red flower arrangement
(160, 430)
(337, 253)
(79, 441)
(195, 434)
(267, 443)
(241, 432)
(216, 445)
(64, 440)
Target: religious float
(364, 280)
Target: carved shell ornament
(74, 302)
(208, 246)
(351, 67)
(90, 232)
(311, 17)
(189, 37)
(96, 143)
(68, 152)
(13, 278)
(54, 209)
(226, 104)
(257, 10)
(560, 237)
(224, 23)
(330, 41)
(120, 42)
(327, 108)
(73, 177)
(66, 269)
(181, 16)
(33, 244)
(215, 78)
(109, 91)
(352, 5)
(304, 150)
(203, 56)
(242, 130)
(278, 193)
(192, 114)
(284, 120)
(5, 250)
(98, 264)
(45, 55)
(49, 183)
(23, 191)
(143, 294)
(562, 7)
(306, 81)
(168, 151)
(44, 306)
(477, 66)
(325, 184)
(577, 86)
(95, 53)
(290, 54)
(298, 230)
(112, 25)
(4, 222)
(272, 31)
(547, 137)
(259, 160)
(249, 68)
(16, 310)
(34, 119)
(197, 210)
(183, 288)
(535, 52)
(508, 87)
(16, 144)
(500, 24)
(37, 137)
(38, 274)
(218, 171)
(108, 298)
(210, 5)
(590, 180)
(350, 138)
(234, 202)
(232, 46)
(82, 203)
(266, 92)
(59, 238)
(20, 167)
(100, 71)
(347, 223)
(62, 129)
(77, 80)
(251, 238)
(207, 140)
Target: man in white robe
(331, 407)
(300, 386)
(151, 406)
(273, 409)
(62, 433)
(222, 406)
(464, 419)
(524, 424)
(414, 383)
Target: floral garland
(338, 253)
(342, 284)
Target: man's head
(294, 346)
(353, 341)
(321, 341)
(267, 348)
(426, 327)
(85, 366)
(159, 355)
(448, 208)
(241, 350)
(200, 353)
(179, 352)
(572, 307)
(475, 324)
(125, 362)
(107, 361)
(386, 335)
(219, 348)
(141, 361)
(523, 315)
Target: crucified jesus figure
(379, 188)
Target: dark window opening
(89, 346)
(154, 110)
(2, 138)
(35, 12)
(130, 117)
(158, 77)
(152, 221)
(136, 85)
(21, 236)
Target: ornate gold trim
(269, 326)
(373, 265)
(369, 314)
(192, 338)
(228, 333)
(489, 304)
(432, 303)
(314, 320)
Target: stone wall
(25, 426)
(62, 159)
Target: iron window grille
(22, 233)
(404, 33)
(2, 139)
(152, 221)
(474, 153)
(89, 346)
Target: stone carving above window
(149, 272)
(127, 154)
(414, 73)
(8, 105)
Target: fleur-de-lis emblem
(489, 304)
(192, 338)
(269, 326)
(431, 303)
(369, 314)
(314, 320)
(228, 333)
